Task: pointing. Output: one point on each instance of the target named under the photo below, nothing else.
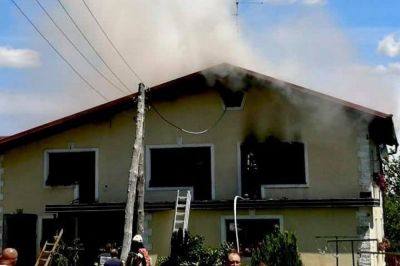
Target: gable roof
(186, 84)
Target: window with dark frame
(250, 231)
(182, 167)
(70, 167)
(272, 162)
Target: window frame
(247, 217)
(96, 170)
(169, 146)
(266, 186)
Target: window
(272, 162)
(232, 99)
(251, 230)
(65, 168)
(175, 167)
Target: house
(305, 161)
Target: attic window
(233, 99)
(274, 163)
(174, 168)
(66, 167)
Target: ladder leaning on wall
(182, 211)
(48, 251)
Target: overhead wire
(111, 42)
(186, 130)
(77, 48)
(120, 55)
(138, 77)
(58, 53)
(90, 44)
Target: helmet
(137, 238)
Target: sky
(349, 49)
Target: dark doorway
(20, 233)
(94, 230)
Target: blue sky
(347, 48)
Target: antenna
(237, 2)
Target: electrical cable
(76, 47)
(90, 44)
(58, 53)
(112, 44)
(185, 130)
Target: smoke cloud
(164, 40)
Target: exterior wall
(306, 223)
(25, 165)
(332, 160)
(370, 220)
(327, 133)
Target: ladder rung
(181, 205)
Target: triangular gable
(193, 83)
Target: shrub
(189, 251)
(277, 249)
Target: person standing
(105, 254)
(114, 261)
(139, 256)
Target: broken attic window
(272, 162)
(233, 99)
(66, 168)
(182, 167)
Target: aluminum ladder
(48, 251)
(182, 211)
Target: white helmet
(137, 238)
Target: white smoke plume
(163, 40)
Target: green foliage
(190, 251)
(392, 221)
(391, 167)
(59, 260)
(277, 249)
(391, 205)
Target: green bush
(277, 249)
(190, 251)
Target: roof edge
(79, 117)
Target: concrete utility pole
(134, 175)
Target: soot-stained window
(233, 99)
(182, 167)
(66, 168)
(272, 162)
